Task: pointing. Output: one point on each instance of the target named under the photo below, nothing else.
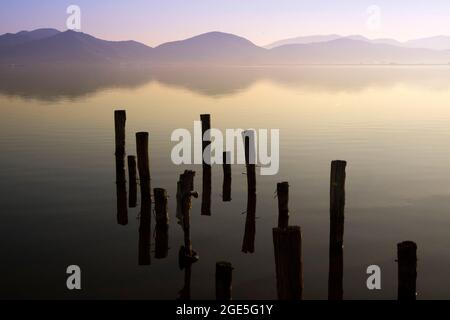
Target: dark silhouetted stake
(287, 245)
(146, 201)
(162, 223)
(407, 270)
(336, 246)
(119, 126)
(143, 163)
(250, 160)
(283, 202)
(248, 244)
(121, 188)
(224, 279)
(132, 181)
(206, 185)
(226, 188)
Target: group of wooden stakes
(287, 240)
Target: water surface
(58, 191)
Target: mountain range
(50, 46)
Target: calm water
(57, 170)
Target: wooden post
(206, 139)
(132, 180)
(250, 160)
(144, 181)
(119, 126)
(336, 251)
(184, 195)
(143, 164)
(224, 277)
(407, 270)
(283, 201)
(248, 243)
(226, 188)
(162, 223)
(121, 188)
(206, 179)
(288, 262)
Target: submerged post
(132, 181)
(287, 245)
(224, 278)
(226, 188)
(283, 201)
(162, 223)
(206, 156)
(336, 250)
(407, 270)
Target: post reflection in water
(226, 187)
(121, 192)
(146, 201)
(162, 223)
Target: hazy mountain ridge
(50, 46)
(432, 43)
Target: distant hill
(303, 40)
(349, 51)
(72, 47)
(212, 47)
(14, 39)
(435, 43)
(49, 46)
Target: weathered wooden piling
(407, 270)
(119, 126)
(336, 251)
(224, 278)
(132, 181)
(143, 164)
(226, 188)
(162, 223)
(283, 202)
(248, 243)
(287, 244)
(206, 137)
(184, 202)
(206, 178)
(250, 160)
(121, 191)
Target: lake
(58, 193)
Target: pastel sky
(261, 21)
